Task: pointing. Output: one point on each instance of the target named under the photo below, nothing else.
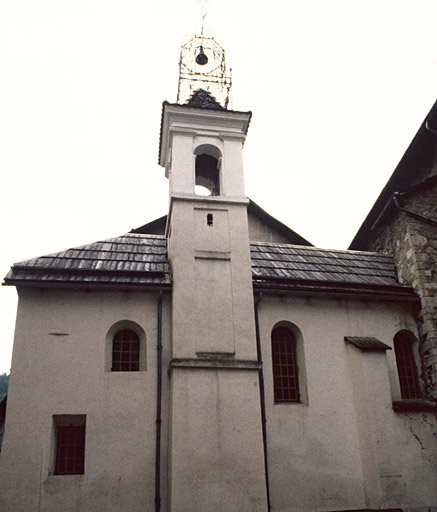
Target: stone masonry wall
(414, 245)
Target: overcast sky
(337, 89)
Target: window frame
(406, 365)
(128, 353)
(69, 444)
(109, 341)
(289, 362)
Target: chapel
(214, 360)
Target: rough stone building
(403, 223)
(213, 360)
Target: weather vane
(202, 65)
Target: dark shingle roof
(300, 268)
(134, 260)
(367, 343)
(203, 99)
(128, 260)
(414, 405)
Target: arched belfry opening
(207, 170)
(207, 175)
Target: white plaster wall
(216, 449)
(181, 176)
(343, 449)
(187, 130)
(66, 375)
(232, 168)
(212, 288)
(347, 448)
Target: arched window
(125, 351)
(407, 369)
(285, 368)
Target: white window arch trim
(137, 329)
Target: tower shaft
(216, 446)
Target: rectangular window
(70, 444)
(407, 369)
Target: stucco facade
(199, 421)
(343, 447)
(59, 368)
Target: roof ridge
(83, 258)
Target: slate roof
(140, 260)
(128, 260)
(303, 269)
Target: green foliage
(4, 381)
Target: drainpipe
(409, 212)
(262, 398)
(158, 408)
(394, 199)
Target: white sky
(337, 89)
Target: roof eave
(336, 290)
(86, 285)
(396, 182)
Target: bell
(201, 58)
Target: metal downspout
(409, 212)
(158, 408)
(262, 398)
(394, 199)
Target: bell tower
(216, 446)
